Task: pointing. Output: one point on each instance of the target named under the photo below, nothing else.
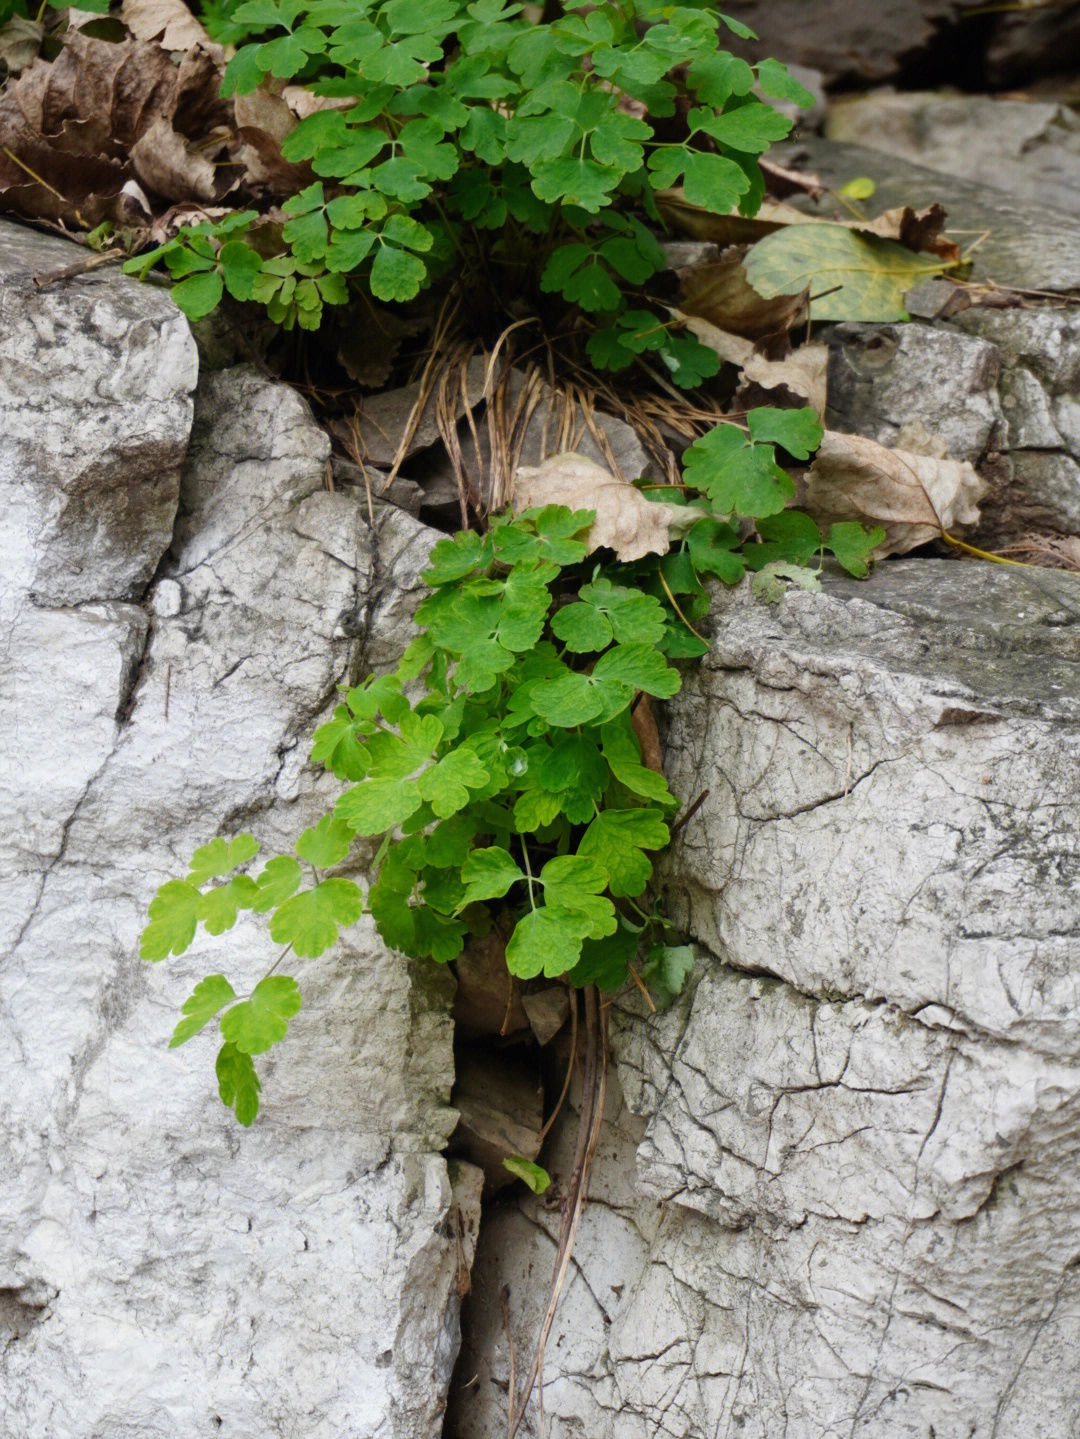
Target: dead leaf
(165, 162)
(918, 230)
(170, 22)
(626, 521)
(69, 129)
(20, 41)
(648, 736)
(719, 291)
(801, 378)
(1054, 552)
(913, 496)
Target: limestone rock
(165, 1273)
(838, 1191)
(1031, 149)
(96, 376)
(884, 380)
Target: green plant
(467, 140)
(499, 763)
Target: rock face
(854, 1204)
(997, 387)
(163, 1273)
(1028, 148)
(913, 38)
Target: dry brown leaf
(648, 736)
(919, 230)
(165, 163)
(913, 496)
(20, 41)
(1055, 552)
(169, 21)
(626, 521)
(801, 378)
(68, 129)
(718, 291)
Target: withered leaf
(20, 41)
(913, 496)
(169, 21)
(801, 378)
(626, 521)
(719, 291)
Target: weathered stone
(845, 1198)
(1032, 247)
(886, 379)
(169, 1274)
(96, 376)
(1030, 149)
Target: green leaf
(377, 805)
(489, 873)
(396, 274)
(667, 971)
(456, 557)
(278, 881)
(773, 582)
(239, 267)
(243, 73)
(538, 1179)
(574, 882)
(715, 78)
(447, 783)
(218, 858)
(260, 1021)
(739, 477)
(238, 1084)
(640, 666)
(327, 844)
(209, 995)
(868, 276)
(776, 80)
(750, 126)
(713, 550)
(582, 627)
(605, 962)
(217, 907)
(173, 917)
(574, 181)
(546, 941)
(198, 294)
(789, 536)
(852, 545)
(617, 838)
(309, 921)
(623, 754)
(797, 431)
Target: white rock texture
(1000, 388)
(854, 1209)
(163, 1273)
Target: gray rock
(851, 1148)
(887, 379)
(1020, 245)
(1040, 400)
(167, 1274)
(96, 376)
(1028, 148)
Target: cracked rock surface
(838, 1195)
(163, 1273)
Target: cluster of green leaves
(464, 129)
(499, 764)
